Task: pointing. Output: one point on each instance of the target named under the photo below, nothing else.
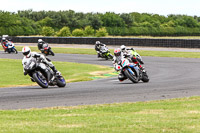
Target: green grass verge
(169, 54)
(158, 37)
(170, 116)
(72, 72)
(141, 52)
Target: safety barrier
(147, 42)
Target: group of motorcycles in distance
(126, 67)
(9, 47)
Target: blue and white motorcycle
(11, 47)
(131, 71)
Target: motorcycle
(105, 53)
(132, 71)
(11, 47)
(47, 50)
(41, 74)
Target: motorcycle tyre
(134, 79)
(51, 52)
(15, 50)
(9, 51)
(106, 58)
(110, 56)
(60, 83)
(38, 81)
(145, 77)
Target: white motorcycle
(42, 74)
(105, 53)
(131, 71)
(11, 47)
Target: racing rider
(28, 54)
(135, 57)
(98, 45)
(40, 45)
(117, 61)
(4, 42)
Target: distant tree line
(71, 23)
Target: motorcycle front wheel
(61, 82)
(131, 75)
(40, 79)
(145, 77)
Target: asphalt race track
(169, 78)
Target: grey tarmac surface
(117, 46)
(169, 78)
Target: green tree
(94, 20)
(65, 31)
(145, 24)
(112, 20)
(46, 22)
(47, 31)
(101, 32)
(128, 19)
(78, 32)
(89, 31)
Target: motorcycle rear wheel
(51, 52)
(15, 50)
(110, 56)
(132, 77)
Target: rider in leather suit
(28, 54)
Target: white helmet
(97, 42)
(123, 47)
(26, 51)
(40, 40)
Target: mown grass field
(169, 116)
(72, 72)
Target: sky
(161, 7)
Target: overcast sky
(161, 7)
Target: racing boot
(56, 72)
